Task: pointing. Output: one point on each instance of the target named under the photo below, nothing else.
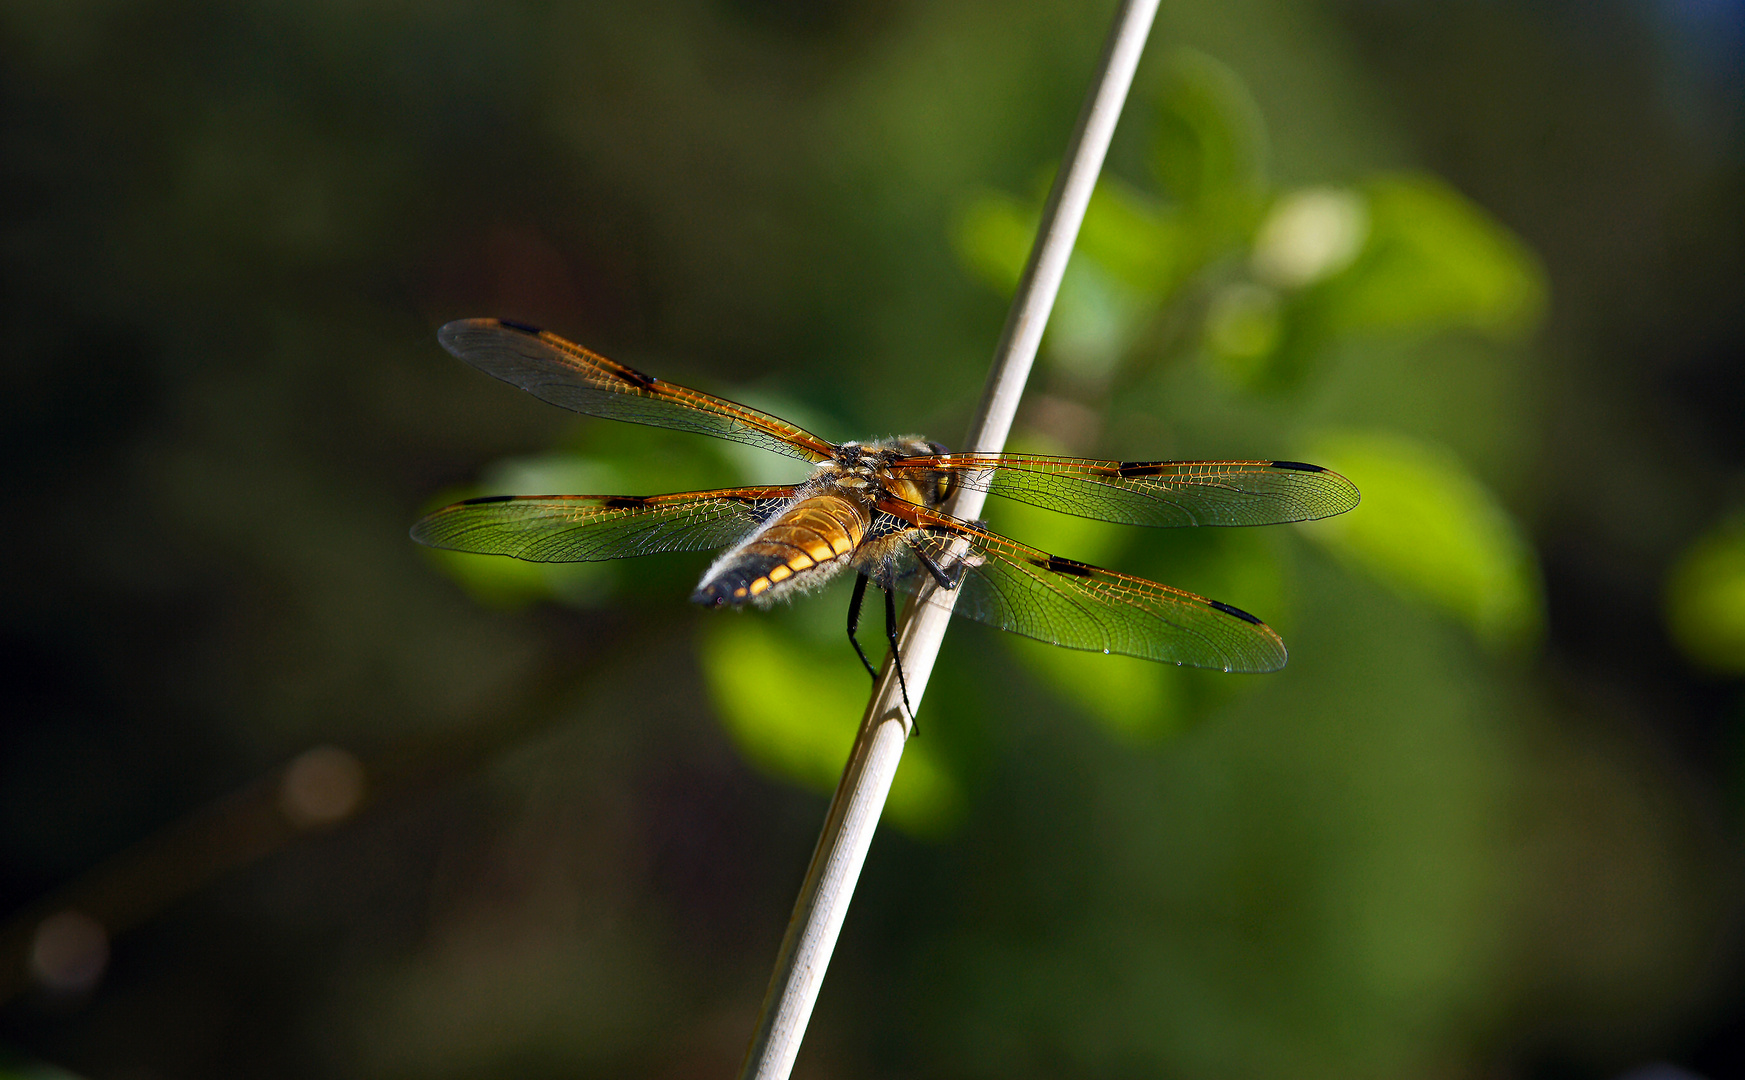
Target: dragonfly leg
(947, 580)
(897, 657)
(854, 624)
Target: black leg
(897, 657)
(946, 581)
(854, 603)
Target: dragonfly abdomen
(802, 547)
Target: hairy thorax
(834, 521)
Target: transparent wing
(592, 528)
(1029, 592)
(1163, 493)
(565, 374)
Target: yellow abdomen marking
(814, 531)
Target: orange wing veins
(563, 373)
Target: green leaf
(510, 584)
(1244, 328)
(791, 708)
(1136, 699)
(1131, 237)
(1209, 145)
(1310, 234)
(1433, 260)
(992, 236)
(1705, 598)
(1124, 256)
(1435, 533)
(607, 459)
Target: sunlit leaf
(1308, 235)
(1132, 698)
(992, 236)
(620, 459)
(1434, 532)
(1132, 237)
(792, 708)
(1705, 598)
(500, 582)
(1433, 260)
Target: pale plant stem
(878, 747)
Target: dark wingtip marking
(1236, 611)
(487, 499)
(1067, 566)
(623, 502)
(521, 326)
(1139, 468)
(1300, 466)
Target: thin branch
(878, 747)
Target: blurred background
(284, 795)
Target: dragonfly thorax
(863, 470)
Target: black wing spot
(631, 375)
(1067, 566)
(1300, 466)
(1141, 468)
(623, 502)
(1236, 611)
(487, 499)
(521, 326)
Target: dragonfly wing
(1160, 493)
(565, 374)
(592, 528)
(1017, 588)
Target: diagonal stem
(878, 747)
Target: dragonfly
(876, 508)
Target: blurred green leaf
(1209, 144)
(501, 582)
(992, 235)
(1136, 699)
(1127, 254)
(1434, 532)
(1131, 697)
(1130, 254)
(1094, 319)
(13, 1068)
(1244, 327)
(1434, 260)
(606, 459)
(791, 707)
(1132, 237)
(1084, 539)
(1310, 234)
(1705, 598)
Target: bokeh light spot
(322, 786)
(69, 952)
